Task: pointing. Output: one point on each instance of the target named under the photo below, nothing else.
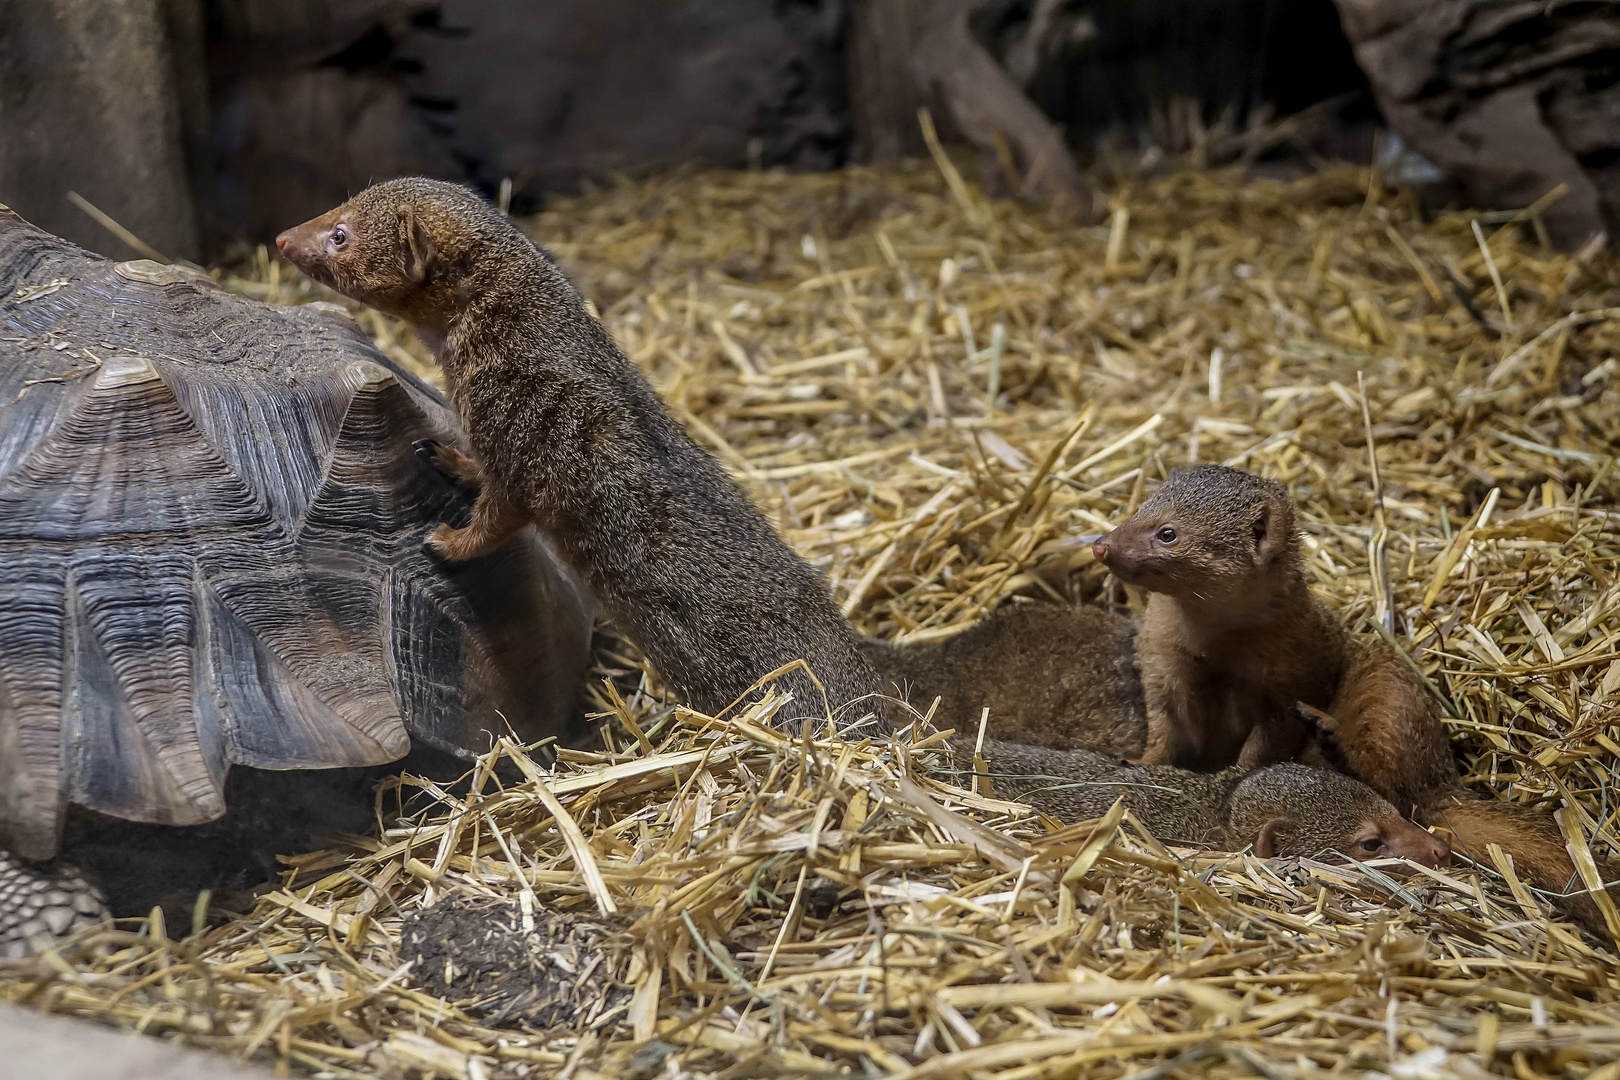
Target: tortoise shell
(211, 526)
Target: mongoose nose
(1442, 852)
(281, 242)
(1100, 551)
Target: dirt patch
(478, 953)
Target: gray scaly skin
(567, 433)
(40, 904)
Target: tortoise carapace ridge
(211, 524)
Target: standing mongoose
(568, 435)
(1050, 674)
(1286, 809)
(1233, 641)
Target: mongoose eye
(340, 236)
(1373, 844)
(1166, 535)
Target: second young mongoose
(568, 435)
(1232, 642)
(1050, 674)
(1231, 639)
(1286, 809)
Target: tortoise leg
(451, 463)
(494, 520)
(40, 905)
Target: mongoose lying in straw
(1050, 674)
(570, 436)
(1232, 641)
(1287, 809)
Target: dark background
(203, 125)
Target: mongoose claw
(456, 468)
(428, 451)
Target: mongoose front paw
(450, 463)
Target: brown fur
(1231, 638)
(1231, 631)
(569, 435)
(1387, 730)
(1051, 675)
(1285, 809)
(1531, 836)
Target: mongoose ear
(420, 251)
(1270, 531)
(1271, 836)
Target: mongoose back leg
(494, 520)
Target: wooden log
(883, 96)
(1510, 98)
(986, 105)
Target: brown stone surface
(1510, 98)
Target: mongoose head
(1210, 534)
(1294, 809)
(403, 247)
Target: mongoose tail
(1531, 837)
(1386, 728)
(568, 435)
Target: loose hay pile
(936, 396)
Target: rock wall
(91, 101)
(549, 93)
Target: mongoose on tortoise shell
(210, 564)
(566, 433)
(1232, 641)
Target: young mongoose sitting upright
(568, 435)
(1232, 640)
(1286, 809)
(1050, 674)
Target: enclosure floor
(934, 396)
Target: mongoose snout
(1394, 837)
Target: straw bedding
(935, 395)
